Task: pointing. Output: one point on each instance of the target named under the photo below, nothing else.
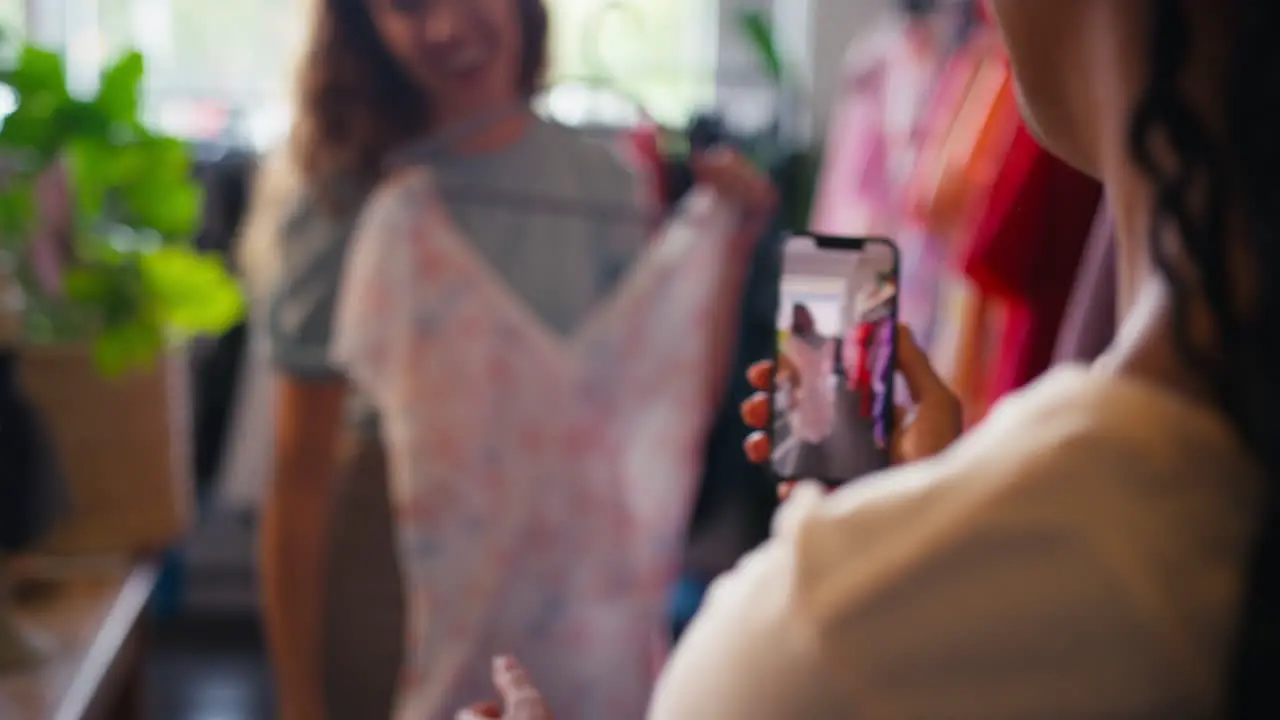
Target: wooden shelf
(95, 624)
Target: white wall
(816, 35)
(836, 24)
(46, 21)
(742, 93)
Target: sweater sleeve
(994, 581)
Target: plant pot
(124, 447)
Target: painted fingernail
(757, 447)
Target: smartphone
(833, 400)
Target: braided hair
(1201, 180)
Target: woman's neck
(1149, 344)
(1146, 344)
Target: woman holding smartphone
(1106, 542)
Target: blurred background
(145, 603)
(222, 72)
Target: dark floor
(210, 668)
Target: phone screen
(833, 401)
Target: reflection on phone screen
(833, 401)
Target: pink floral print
(542, 483)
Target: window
(215, 70)
(224, 70)
(13, 23)
(610, 59)
(13, 15)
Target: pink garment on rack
(852, 187)
(873, 139)
(542, 484)
(874, 133)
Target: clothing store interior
(793, 359)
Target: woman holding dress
(449, 84)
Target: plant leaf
(759, 32)
(81, 120)
(192, 291)
(118, 91)
(39, 81)
(17, 213)
(137, 281)
(128, 346)
(113, 290)
(172, 209)
(162, 195)
(38, 72)
(89, 168)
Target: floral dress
(541, 483)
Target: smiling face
(467, 56)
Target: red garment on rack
(863, 337)
(1027, 251)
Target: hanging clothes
(1026, 252)
(969, 131)
(874, 139)
(874, 133)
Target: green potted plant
(98, 214)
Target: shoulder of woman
(314, 232)
(1078, 464)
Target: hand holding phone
(936, 417)
(827, 407)
(832, 411)
(932, 422)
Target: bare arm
(294, 530)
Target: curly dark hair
(1206, 181)
(357, 104)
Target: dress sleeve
(371, 325)
(313, 249)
